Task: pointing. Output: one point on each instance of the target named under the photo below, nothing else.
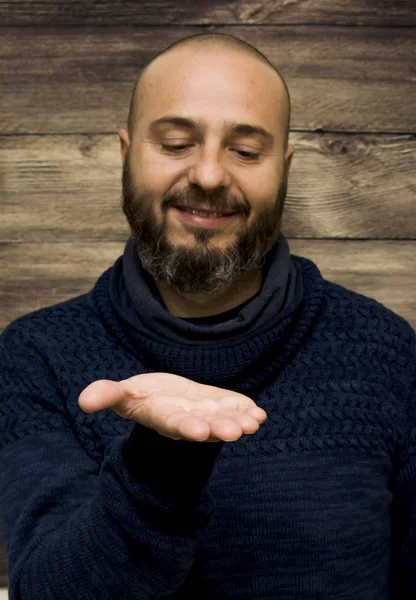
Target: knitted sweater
(319, 503)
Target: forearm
(134, 537)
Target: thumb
(101, 394)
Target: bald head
(215, 42)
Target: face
(209, 133)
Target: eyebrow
(233, 128)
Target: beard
(204, 267)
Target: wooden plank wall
(67, 70)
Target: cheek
(262, 183)
(262, 191)
(157, 173)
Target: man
(213, 420)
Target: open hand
(176, 407)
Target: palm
(177, 407)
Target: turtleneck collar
(279, 283)
(236, 353)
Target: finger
(197, 429)
(243, 404)
(257, 413)
(226, 429)
(247, 423)
(101, 394)
(190, 427)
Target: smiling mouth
(204, 213)
(196, 218)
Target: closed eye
(175, 148)
(245, 154)
(178, 149)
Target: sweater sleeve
(74, 528)
(403, 513)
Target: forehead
(215, 85)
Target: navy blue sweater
(319, 503)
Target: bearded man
(213, 420)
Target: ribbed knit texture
(319, 503)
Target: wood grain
(42, 274)
(68, 188)
(3, 569)
(80, 79)
(205, 12)
(350, 68)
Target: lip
(204, 209)
(208, 222)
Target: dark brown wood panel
(3, 569)
(205, 12)
(80, 79)
(42, 274)
(384, 270)
(68, 188)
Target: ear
(124, 143)
(289, 155)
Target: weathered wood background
(66, 73)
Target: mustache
(217, 201)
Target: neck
(207, 304)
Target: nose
(208, 170)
